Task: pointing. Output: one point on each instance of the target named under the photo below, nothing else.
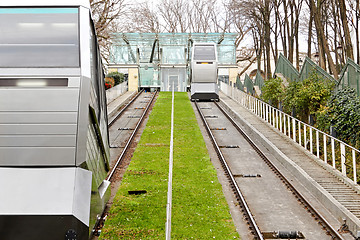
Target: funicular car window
(39, 37)
(204, 52)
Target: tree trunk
(286, 28)
(267, 38)
(291, 33)
(322, 40)
(297, 44)
(310, 34)
(335, 13)
(275, 54)
(349, 47)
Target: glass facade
(168, 48)
(154, 54)
(39, 37)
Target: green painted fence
(349, 76)
(249, 84)
(239, 84)
(259, 80)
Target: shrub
(273, 91)
(290, 96)
(109, 82)
(343, 113)
(107, 86)
(118, 77)
(308, 96)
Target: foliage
(201, 216)
(309, 96)
(343, 113)
(107, 86)
(118, 77)
(313, 93)
(290, 97)
(273, 91)
(109, 82)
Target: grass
(199, 208)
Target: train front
(204, 72)
(53, 132)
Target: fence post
(294, 129)
(354, 166)
(317, 144)
(343, 166)
(299, 126)
(273, 116)
(325, 151)
(305, 138)
(267, 113)
(311, 140)
(288, 117)
(333, 152)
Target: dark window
(204, 52)
(39, 37)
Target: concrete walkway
(115, 105)
(308, 171)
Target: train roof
(45, 3)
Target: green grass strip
(199, 208)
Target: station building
(152, 60)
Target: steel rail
(118, 161)
(253, 226)
(124, 108)
(321, 220)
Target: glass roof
(168, 48)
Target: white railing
(116, 91)
(332, 151)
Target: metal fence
(332, 151)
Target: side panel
(38, 117)
(47, 99)
(44, 203)
(37, 156)
(38, 125)
(37, 191)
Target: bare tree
(348, 44)
(323, 43)
(174, 15)
(105, 13)
(141, 18)
(258, 13)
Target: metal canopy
(168, 48)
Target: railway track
(123, 128)
(272, 206)
(142, 106)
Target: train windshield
(39, 37)
(204, 52)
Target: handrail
(332, 151)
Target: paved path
(311, 172)
(114, 106)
